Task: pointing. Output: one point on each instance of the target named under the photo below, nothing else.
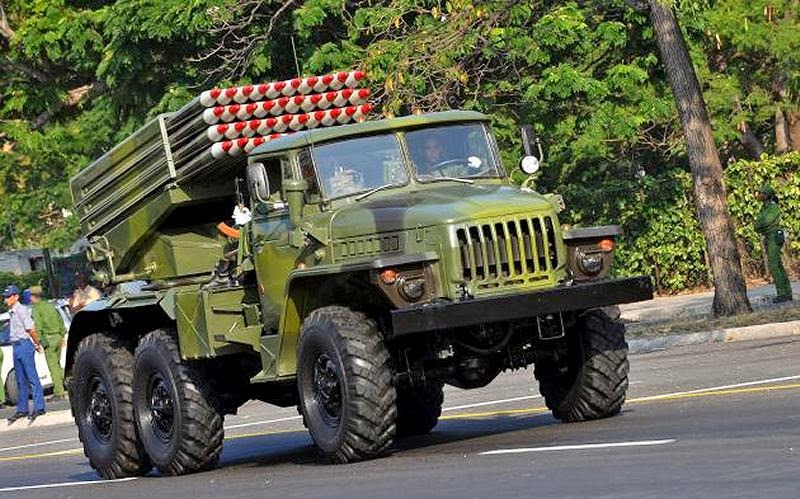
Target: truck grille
(507, 252)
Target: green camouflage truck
(383, 260)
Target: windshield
(461, 151)
(358, 165)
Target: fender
(295, 293)
(98, 316)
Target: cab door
(273, 256)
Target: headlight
(411, 289)
(590, 263)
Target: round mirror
(529, 164)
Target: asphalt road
(718, 420)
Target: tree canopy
(78, 76)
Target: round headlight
(529, 164)
(590, 263)
(412, 289)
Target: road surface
(720, 420)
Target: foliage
(77, 76)
(37, 278)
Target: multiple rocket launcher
(207, 138)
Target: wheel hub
(327, 388)
(99, 412)
(162, 407)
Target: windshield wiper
(449, 179)
(373, 191)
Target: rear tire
(345, 382)
(419, 408)
(12, 396)
(180, 428)
(591, 382)
(101, 397)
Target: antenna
(294, 52)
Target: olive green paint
(297, 253)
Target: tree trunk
(730, 292)
(781, 132)
(793, 129)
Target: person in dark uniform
(768, 225)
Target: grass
(783, 313)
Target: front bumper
(582, 296)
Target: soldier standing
(25, 342)
(768, 225)
(51, 331)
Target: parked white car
(7, 375)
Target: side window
(310, 174)
(274, 167)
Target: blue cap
(10, 290)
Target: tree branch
(74, 97)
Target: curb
(672, 312)
(637, 346)
(50, 419)
(758, 332)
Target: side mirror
(532, 147)
(258, 182)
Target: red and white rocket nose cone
(246, 111)
(291, 105)
(209, 97)
(216, 133)
(359, 96)
(298, 121)
(322, 83)
(307, 85)
(210, 116)
(361, 112)
(353, 78)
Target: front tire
(101, 397)
(180, 428)
(591, 381)
(419, 408)
(345, 382)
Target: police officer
(25, 343)
(51, 331)
(769, 226)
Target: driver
(432, 155)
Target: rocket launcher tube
(294, 122)
(239, 146)
(283, 105)
(286, 88)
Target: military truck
(384, 259)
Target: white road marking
(65, 484)
(490, 402)
(39, 444)
(640, 443)
(721, 387)
(258, 423)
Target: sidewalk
(685, 306)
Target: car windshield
(359, 165)
(455, 151)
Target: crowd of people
(35, 325)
